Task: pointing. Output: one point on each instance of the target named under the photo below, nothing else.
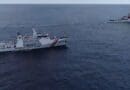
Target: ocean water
(97, 56)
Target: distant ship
(124, 19)
(33, 42)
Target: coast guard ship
(36, 41)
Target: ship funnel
(19, 43)
(34, 33)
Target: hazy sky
(66, 1)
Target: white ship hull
(27, 43)
(61, 42)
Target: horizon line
(70, 3)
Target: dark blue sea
(97, 56)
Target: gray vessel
(36, 41)
(124, 19)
